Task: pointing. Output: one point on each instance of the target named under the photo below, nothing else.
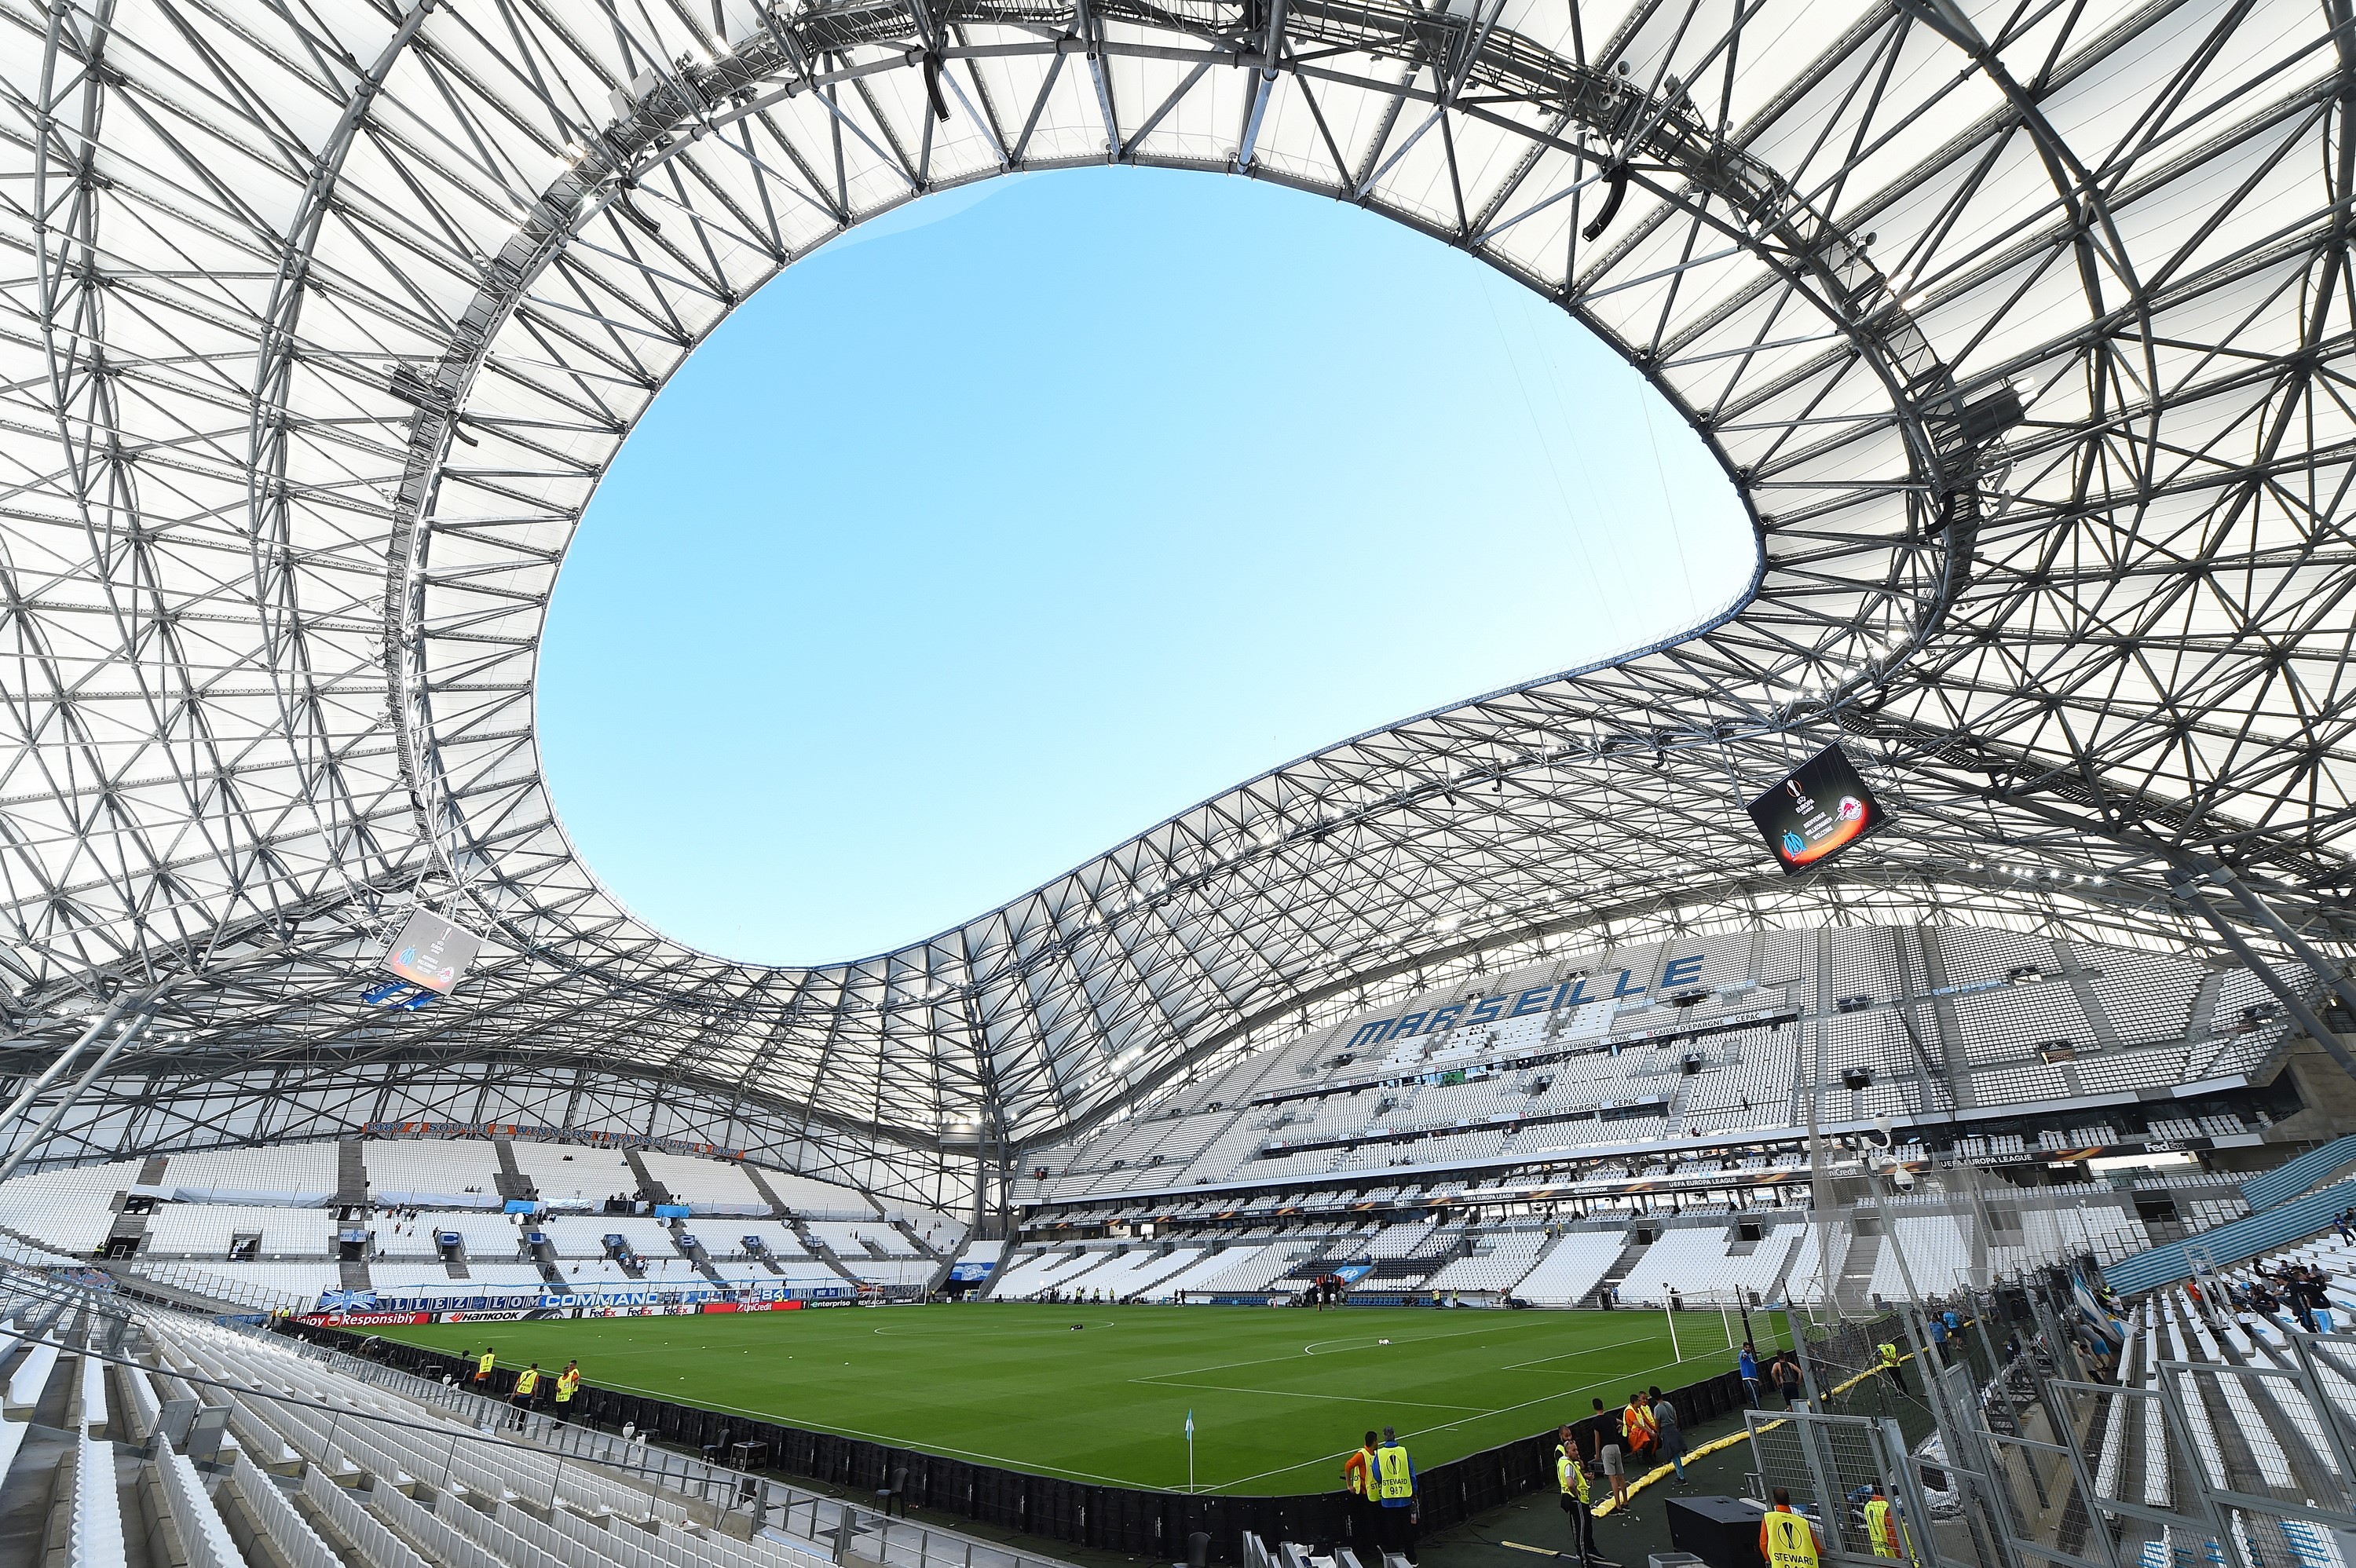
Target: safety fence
(1131, 1520)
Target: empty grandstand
(2022, 338)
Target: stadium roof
(2023, 329)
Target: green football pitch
(1278, 1397)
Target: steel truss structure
(2023, 328)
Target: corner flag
(1190, 1427)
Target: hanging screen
(1818, 811)
(431, 951)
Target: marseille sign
(1677, 972)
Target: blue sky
(1009, 525)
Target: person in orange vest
(1358, 1475)
(1787, 1538)
(1637, 1425)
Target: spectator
(1747, 1365)
(1612, 1457)
(1395, 1488)
(1787, 1380)
(1670, 1440)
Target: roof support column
(2328, 972)
(1271, 47)
(130, 1032)
(2188, 890)
(65, 1059)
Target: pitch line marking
(1290, 1393)
(1294, 1355)
(1566, 1355)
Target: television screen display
(1820, 810)
(431, 951)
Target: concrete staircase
(1630, 1251)
(653, 1191)
(914, 1240)
(551, 1273)
(692, 1248)
(939, 1282)
(151, 1174)
(761, 1184)
(1854, 1290)
(131, 1228)
(355, 1274)
(821, 1252)
(351, 1173)
(511, 1181)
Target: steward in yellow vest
(1786, 1540)
(1396, 1515)
(1394, 1475)
(483, 1366)
(1881, 1528)
(1571, 1479)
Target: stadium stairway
(820, 1250)
(1855, 1286)
(354, 1273)
(131, 1228)
(652, 1190)
(2236, 1242)
(511, 1181)
(351, 1173)
(761, 1184)
(551, 1273)
(950, 1260)
(692, 1248)
(915, 1241)
(1631, 1250)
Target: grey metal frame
(327, 319)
